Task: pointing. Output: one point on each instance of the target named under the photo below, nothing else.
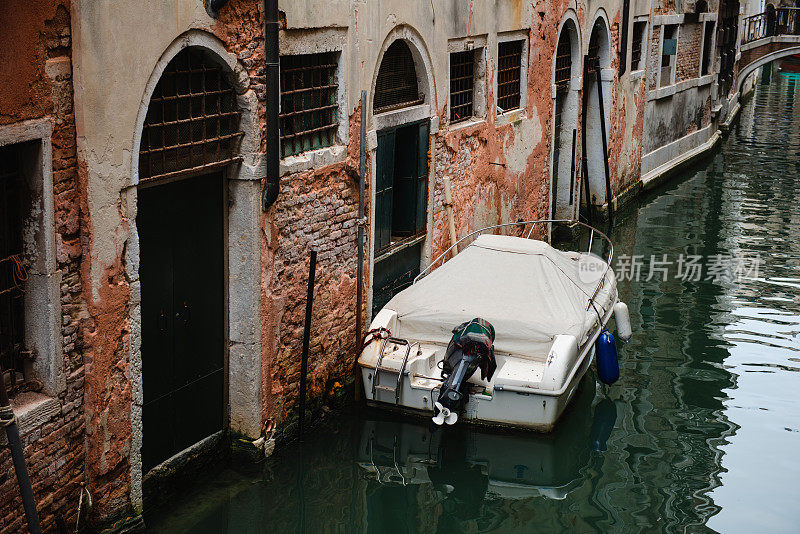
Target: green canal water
(700, 434)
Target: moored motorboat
(501, 334)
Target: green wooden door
(401, 200)
(180, 229)
(421, 215)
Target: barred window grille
(563, 71)
(668, 55)
(192, 122)
(309, 116)
(396, 86)
(462, 85)
(639, 28)
(13, 270)
(509, 74)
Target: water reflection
(483, 465)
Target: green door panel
(422, 178)
(405, 182)
(384, 183)
(181, 239)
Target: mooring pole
(362, 169)
(307, 338)
(598, 70)
(9, 422)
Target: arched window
(192, 122)
(396, 86)
(563, 61)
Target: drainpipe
(271, 59)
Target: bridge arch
(764, 54)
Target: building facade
(158, 307)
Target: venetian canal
(701, 433)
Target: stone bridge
(767, 36)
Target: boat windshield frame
(427, 270)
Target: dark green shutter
(422, 178)
(384, 183)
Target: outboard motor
(470, 348)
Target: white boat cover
(526, 289)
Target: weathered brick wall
(315, 209)
(38, 44)
(690, 47)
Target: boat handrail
(533, 224)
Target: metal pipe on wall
(599, 82)
(362, 169)
(9, 421)
(584, 159)
(272, 61)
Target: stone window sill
(636, 74)
(313, 159)
(467, 124)
(32, 411)
(509, 117)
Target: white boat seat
(519, 372)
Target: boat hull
(531, 411)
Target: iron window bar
(308, 116)
(509, 74)
(563, 70)
(13, 274)
(462, 85)
(192, 121)
(396, 86)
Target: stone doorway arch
(240, 192)
(401, 105)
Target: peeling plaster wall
(108, 124)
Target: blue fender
(607, 360)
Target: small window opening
(396, 86)
(708, 37)
(309, 115)
(192, 123)
(462, 85)
(564, 61)
(509, 74)
(668, 52)
(14, 198)
(639, 28)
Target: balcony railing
(770, 23)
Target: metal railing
(771, 23)
(523, 224)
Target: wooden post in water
(307, 338)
